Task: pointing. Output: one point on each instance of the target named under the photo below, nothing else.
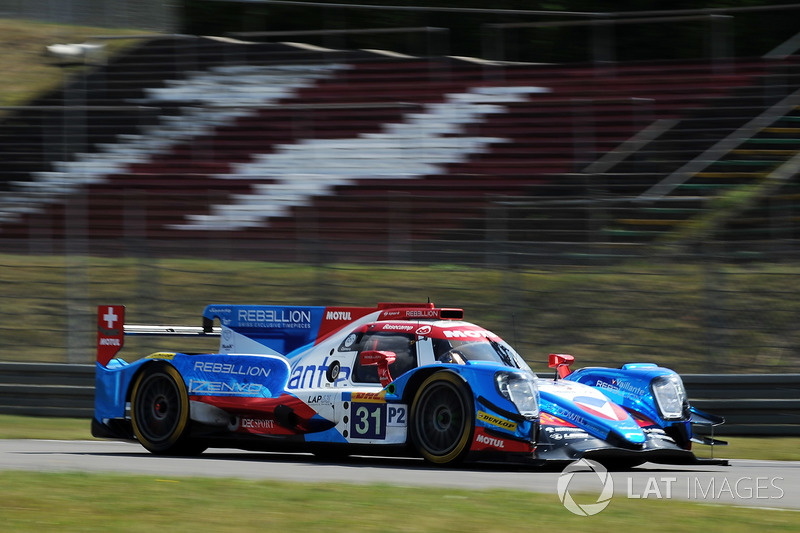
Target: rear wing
(261, 329)
(111, 331)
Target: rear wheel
(160, 411)
(442, 419)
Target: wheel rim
(440, 420)
(158, 408)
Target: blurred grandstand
(286, 149)
(265, 150)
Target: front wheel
(160, 411)
(442, 419)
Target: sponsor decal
(369, 396)
(570, 416)
(232, 369)
(601, 408)
(350, 340)
(110, 334)
(466, 334)
(566, 433)
(274, 318)
(546, 419)
(422, 313)
(497, 421)
(424, 330)
(256, 424)
(320, 399)
(484, 441)
(202, 386)
(311, 376)
(338, 315)
(621, 387)
(490, 441)
(397, 327)
(162, 355)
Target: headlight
(521, 390)
(670, 396)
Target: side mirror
(561, 362)
(382, 360)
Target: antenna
(514, 328)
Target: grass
(82, 502)
(110, 502)
(79, 502)
(25, 427)
(27, 71)
(694, 318)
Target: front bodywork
(629, 415)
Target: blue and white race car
(398, 379)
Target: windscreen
(458, 351)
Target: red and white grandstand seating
(260, 141)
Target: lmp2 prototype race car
(398, 379)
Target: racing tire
(160, 412)
(442, 420)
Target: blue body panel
(628, 386)
(283, 329)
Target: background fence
(549, 238)
(751, 404)
(696, 317)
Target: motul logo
(491, 441)
(464, 334)
(338, 315)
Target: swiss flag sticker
(110, 331)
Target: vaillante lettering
(620, 386)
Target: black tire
(442, 420)
(160, 411)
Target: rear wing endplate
(111, 331)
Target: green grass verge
(27, 71)
(25, 427)
(696, 318)
(765, 448)
(82, 502)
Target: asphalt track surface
(765, 484)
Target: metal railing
(753, 404)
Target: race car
(398, 379)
